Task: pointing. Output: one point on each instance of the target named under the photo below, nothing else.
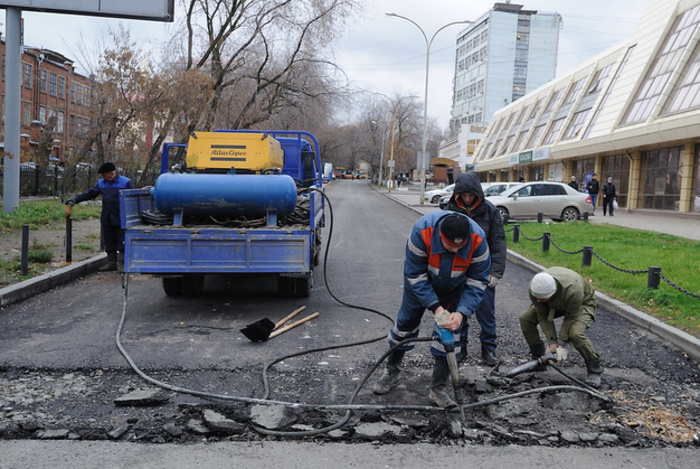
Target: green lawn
(629, 250)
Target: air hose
(350, 406)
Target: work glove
(442, 318)
(493, 281)
(559, 353)
(69, 208)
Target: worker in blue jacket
(108, 188)
(446, 271)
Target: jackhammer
(447, 338)
(533, 365)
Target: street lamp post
(428, 44)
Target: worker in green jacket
(559, 292)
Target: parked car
(495, 188)
(554, 200)
(489, 188)
(433, 196)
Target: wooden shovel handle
(288, 317)
(293, 325)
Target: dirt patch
(85, 244)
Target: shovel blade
(259, 330)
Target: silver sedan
(554, 200)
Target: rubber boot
(438, 388)
(489, 357)
(537, 352)
(595, 369)
(111, 265)
(388, 380)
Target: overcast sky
(384, 54)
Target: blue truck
(240, 202)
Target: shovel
(261, 330)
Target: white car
(554, 200)
(433, 196)
(489, 189)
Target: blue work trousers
(409, 319)
(486, 316)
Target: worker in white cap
(554, 293)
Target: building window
(553, 132)
(52, 84)
(62, 87)
(72, 92)
(534, 138)
(42, 81)
(519, 142)
(27, 114)
(42, 114)
(604, 99)
(599, 79)
(576, 124)
(3, 67)
(574, 91)
(27, 76)
(553, 102)
(60, 122)
(663, 66)
(661, 173)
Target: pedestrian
(593, 189)
(522, 179)
(573, 183)
(609, 196)
(554, 293)
(468, 198)
(445, 271)
(108, 188)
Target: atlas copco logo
(228, 153)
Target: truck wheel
(303, 287)
(192, 284)
(285, 286)
(172, 286)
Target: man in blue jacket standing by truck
(446, 271)
(468, 198)
(108, 188)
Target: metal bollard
(539, 217)
(505, 219)
(654, 279)
(516, 233)
(24, 258)
(585, 216)
(545, 241)
(69, 239)
(587, 255)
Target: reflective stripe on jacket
(432, 272)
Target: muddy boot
(111, 265)
(537, 352)
(388, 380)
(489, 357)
(595, 369)
(438, 388)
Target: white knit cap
(543, 286)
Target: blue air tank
(225, 195)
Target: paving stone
(220, 424)
(142, 397)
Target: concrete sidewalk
(677, 224)
(685, 226)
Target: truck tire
(172, 286)
(192, 284)
(303, 287)
(285, 285)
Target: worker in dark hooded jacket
(468, 198)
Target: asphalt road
(72, 328)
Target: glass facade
(617, 167)
(661, 178)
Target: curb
(33, 286)
(684, 341)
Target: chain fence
(654, 273)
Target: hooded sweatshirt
(486, 215)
